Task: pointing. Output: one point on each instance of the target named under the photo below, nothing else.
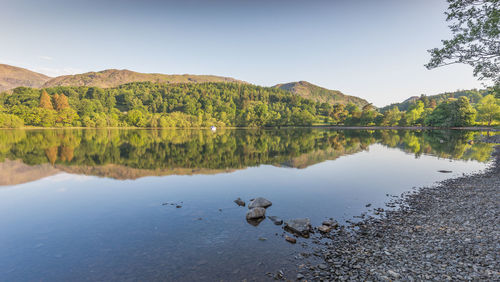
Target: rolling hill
(112, 78)
(12, 77)
(320, 94)
(473, 95)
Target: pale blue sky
(372, 49)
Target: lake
(117, 204)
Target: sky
(372, 49)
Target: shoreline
(472, 128)
(449, 231)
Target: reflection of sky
(107, 228)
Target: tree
(414, 113)
(61, 102)
(452, 113)
(391, 117)
(66, 116)
(475, 25)
(10, 121)
(488, 109)
(368, 115)
(45, 101)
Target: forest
(196, 105)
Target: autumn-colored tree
(51, 154)
(55, 97)
(67, 153)
(61, 102)
(45, 101)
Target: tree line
(156, 105)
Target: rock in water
(256, 213)
(332, 223)
(275, 220)
(290, 239)
(255, 222)
(240, 202)
(300, 226)
(259, 203)
(324, 228)
(445, 171)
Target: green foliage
(432, 101)
(476, 38)
(488, 109)
(414, 115)
(310, 91)
(154, 105)
(391, 117)
(10, 121)
(175, 105)
(454, 113)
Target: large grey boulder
(300, 226)
(256, 213)
(259, 203)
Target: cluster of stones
(257, 209)
(447, 232)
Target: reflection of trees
(443, 144)
(224, 149)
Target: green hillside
(320, 94)
(473, 95)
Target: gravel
(446, 232)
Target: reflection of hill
(123, 172)
(17, 172)
(130, 154)
(320, 156)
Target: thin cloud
(47, 58)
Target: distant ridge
(112, 78)
(320, 94)
(474, 95)
(12, 77)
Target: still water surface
(89, 204)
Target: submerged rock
(276, 220)
(300, 226)
(256, 213)
(255, 222)
(240, 202)
(259, 202)
(290, 239)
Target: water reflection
(71, 227)
(28, 155)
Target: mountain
(473, 95)
(112, 78)
(12, 77)
(320, 94)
